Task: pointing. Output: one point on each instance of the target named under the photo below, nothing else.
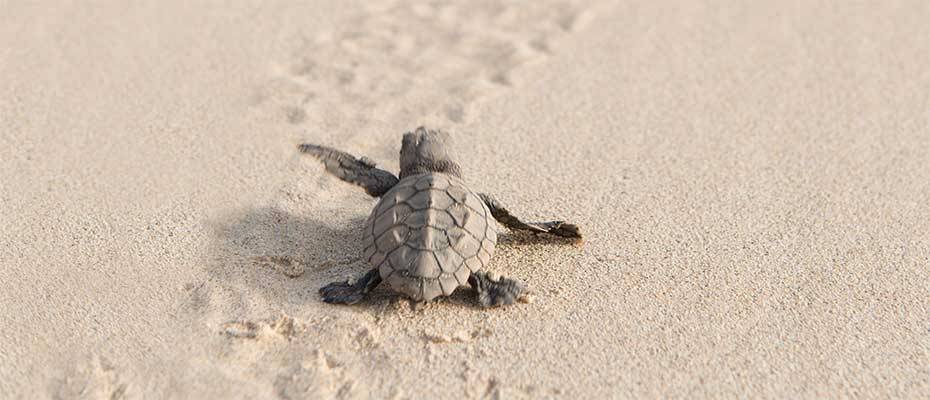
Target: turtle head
(426, 151)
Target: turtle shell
(428, 234)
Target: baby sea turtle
(429, 233)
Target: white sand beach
(753, 180)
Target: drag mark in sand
(94, 379)
(417, 60)
(284, 326)
(304, 358)
(317, 377)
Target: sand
(753, 180)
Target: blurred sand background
(753, 179)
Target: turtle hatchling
(429, 234)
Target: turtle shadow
(523, 238)
(282, 257)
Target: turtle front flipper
(351, 293)
(359, 171)
(494, 290)
(558, 228)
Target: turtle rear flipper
(502, 215)
(351, 293)
(359, 171)
(495, 291)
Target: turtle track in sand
(94, 378)
(419, 60)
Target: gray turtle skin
(429, 234)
